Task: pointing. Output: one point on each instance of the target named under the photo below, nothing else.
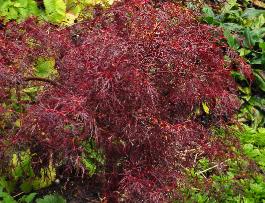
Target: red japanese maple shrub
(134, 80)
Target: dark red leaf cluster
(134, 79)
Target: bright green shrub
(55, 11)
(18, 10)
(253, 142)
(66, 12)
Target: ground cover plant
(55, 11)
(137, 95)
(236, 179)
(244, 28)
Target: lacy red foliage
(132, 79)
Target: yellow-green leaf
(205, 108)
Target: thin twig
(195, 159)
(208, 169)
(41, 80)
(21, 193)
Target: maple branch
(41, 80)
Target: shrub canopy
(145, 81)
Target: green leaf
(244, 52)
(28, 198)
(26, 186)
(259, 22)
(252, 12)
(260, 79)
(257, 188)
(208, 11)
(238, 76)
(90, 165)
(51, 199)
(257, 101)
(31, 89)
(205, 108)
(231, 40)
(260, 33)
(18, 10)
(4, 5)
(45, 67)
(13, 14)
(47, 176)
(8, 198)
(248, 200)
(232, 26)
(262, 46)
(229, 5)
(245, 90)
(21, 165)
(32, 8)
(251, 151)
(251, 38)
(9, 186)
(55, 10)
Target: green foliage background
(63, 12)
(244, 29)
